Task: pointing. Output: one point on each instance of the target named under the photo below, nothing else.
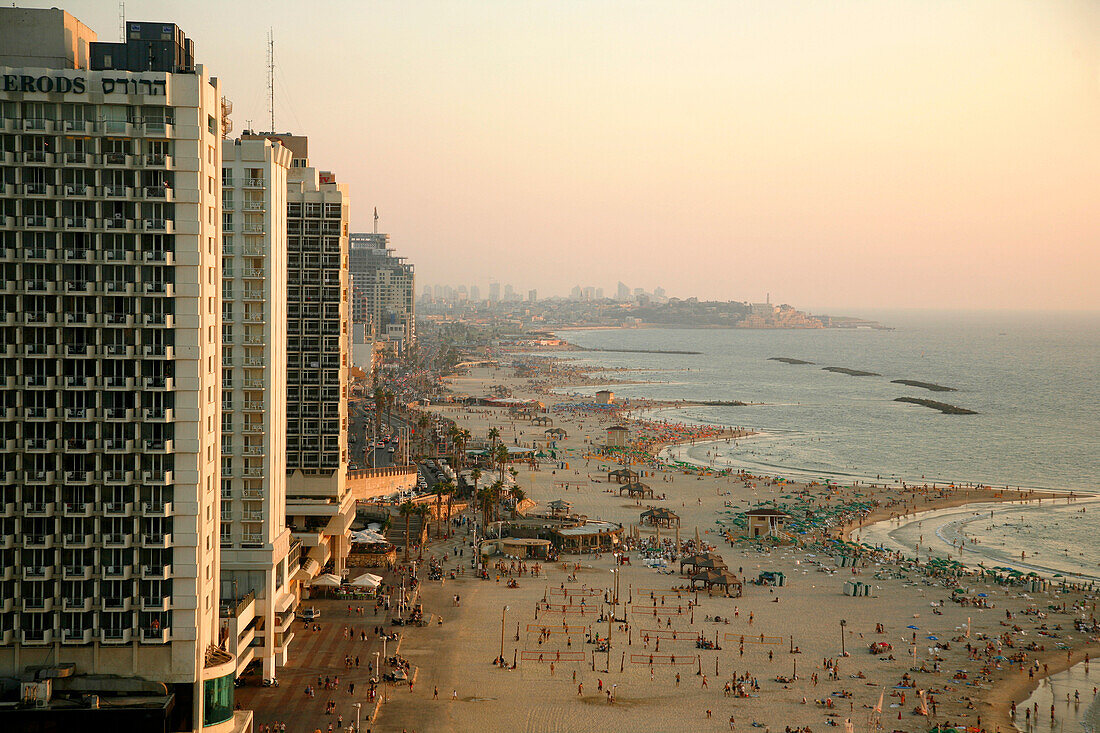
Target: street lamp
(357, 706)
(843, 623)
(502, 613)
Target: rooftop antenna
(122, 22)
(376, 220)
(271, 76)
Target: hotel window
(227, 221)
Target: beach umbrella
(328, 580)
(913, 627)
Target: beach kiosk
(556, 434)
(560, 508)
(697, 563)
(660, 517)
(721, 578)
(766, 521)
(617, 436)
(605, 397)
(637, 490)
(622, 475)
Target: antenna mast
(376, 220)
(271, 77)
(122, 22)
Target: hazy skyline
(837, 155)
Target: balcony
(37, 572)
(118, 413)
(252, 295)
(75, 509)
(254, 205)
(156, 508)
(156, 478)
(156, 288)
(253, 273)
(118, 572)
(78, 350)
(116, 539)
(254, 406)
(37, 605)
(76, 604)
(76, 189)
(37, 541)
(76, 636)
(79, 477)
(252, 516)
(154, 636)
(158, 383)
(38, 509)
(254, 384)
(156, 603)
(116, 382)
(253, 183)
(253, 429)
(252, 472)
(157, 446)
(253, 450)
(157, 225)
(117, 509)
(114, 445)
(156, 572)
(36, 637)
(77, 572)
(156, 541)
(252, 493)
(158, 414)
(78, 445)
(116, 636)
(77, 541)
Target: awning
(366, 580)
(328, 580)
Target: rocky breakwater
(943, 407)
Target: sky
(835, 154)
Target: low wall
(371, 483)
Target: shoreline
(991, 702)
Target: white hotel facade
(260, 557)
(110, 364)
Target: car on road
(310, 614)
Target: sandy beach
(457, 686)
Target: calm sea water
(1031, 377)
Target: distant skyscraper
(494, 292)
(599, 293)
(658, 292)
(382, 290)
(622, 292)
(532, 296)
(509, 292)
(475, 293)
(576, 293)
(437, 292)
(589, 293)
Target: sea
(1032, 378)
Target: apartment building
(109, 362)
(319, 505)
(383, 288)
(259, 555)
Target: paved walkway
(321, 654)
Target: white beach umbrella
(328, 580)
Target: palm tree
(422, 424)
(484, 499)
(494, 435)
(497, 490)
(466, 436)
(501, 458)
(421, 511)
(379, 404)
(407, 510)
(518, 495)
(443, 488)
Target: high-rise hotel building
(110, 333)
(319, 505)
(259, 555)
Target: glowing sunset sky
(837, 154)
